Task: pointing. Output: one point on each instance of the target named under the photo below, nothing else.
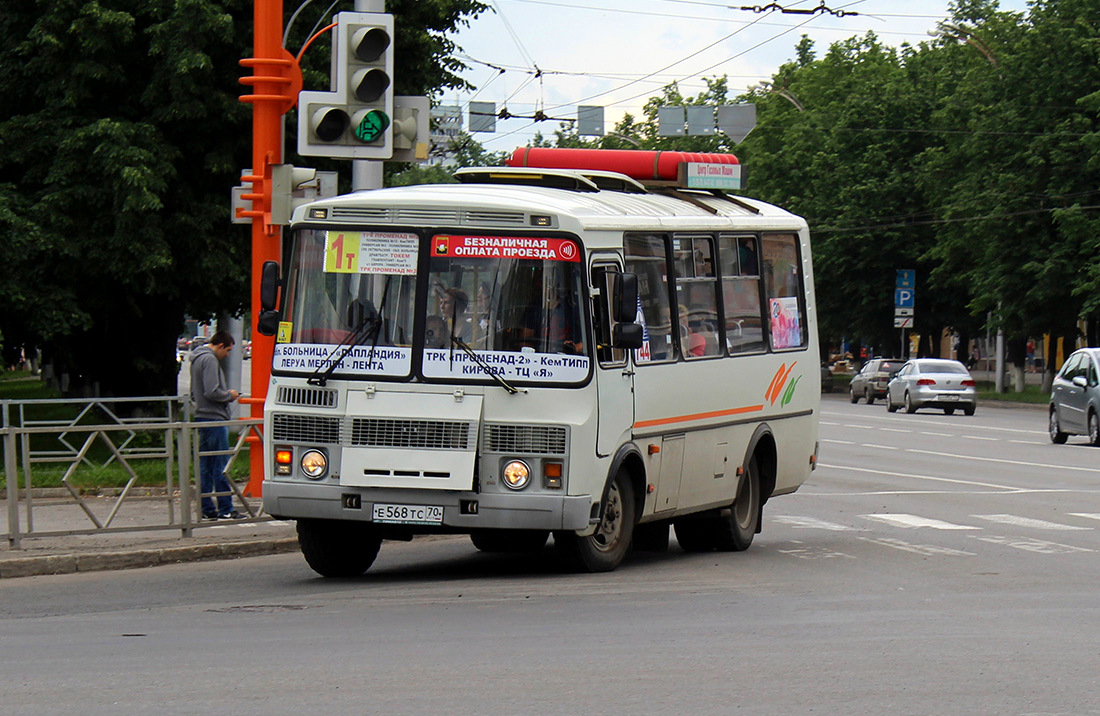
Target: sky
(619, 53)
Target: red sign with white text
(506, 247)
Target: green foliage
(972, 158)
(123, 136)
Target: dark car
(871, 380)
(1075, 398)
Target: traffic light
(355, 119)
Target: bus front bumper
(461, 510)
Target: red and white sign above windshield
(505, 247)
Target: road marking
(954, 481)
(981, 437)
(812, 552)
(999, 460)
(881, 447)
(838, 442)
(915, 521)
(1033, 545)
(1087, 515)
(810, 523)
(1028, 522)
(897, 418)
(925, 549)
(940, 435)
(895, 430)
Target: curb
(134, 559)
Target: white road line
(838, 442)
(1032, 545)
(1028, 522)
(1087, 515)
(895, 430)
(939, 435)
(981, 437)
(954, 481)
(915, 521)
(810, 523)
(1045, 466)
(897, 418)
(925, 549)
(882, 447)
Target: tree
(123, 135)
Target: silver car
(932, 383)
(1075, 398)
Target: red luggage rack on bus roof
(689, 170)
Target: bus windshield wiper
(370, 321)
(512, 390)
(381, 312)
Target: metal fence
(128, 438)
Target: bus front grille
(305, 429)
(308, 397)
(427, 434)
(532, 439)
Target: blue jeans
(212, 469)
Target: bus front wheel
(604, 549)
(338, 549)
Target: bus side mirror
(269, 286)
(626, 335)
(624, 297)
(267, 323)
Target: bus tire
(651, 537)
(337, 548)
(736, 530)
(604, 549)
(695, 534)
(515, 541)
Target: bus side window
(744, 326)
(783, 284)
(647, 258)
(602, 316)
(696, 296)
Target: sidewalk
(224, 539)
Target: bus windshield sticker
(286, 328)
(371, 252)
(309, 357)
(506, 247)
(510, 365)
(786, 332)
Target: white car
(932, 383)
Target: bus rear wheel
(604, 549)
(736, 530)
(338, 549)
(516, 541)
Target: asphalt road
(932, 565)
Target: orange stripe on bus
(699, 416)
(775, 379)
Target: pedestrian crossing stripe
(1028, 522)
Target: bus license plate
(408, 514)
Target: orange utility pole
(276, 82)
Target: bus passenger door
(614, 371)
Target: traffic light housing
(355, 119)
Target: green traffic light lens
(371, 125)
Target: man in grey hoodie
(212, 401)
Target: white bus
(538, 351)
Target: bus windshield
(511, 306)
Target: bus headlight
(314, 464)
(516, 475)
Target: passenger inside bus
(453, 303)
